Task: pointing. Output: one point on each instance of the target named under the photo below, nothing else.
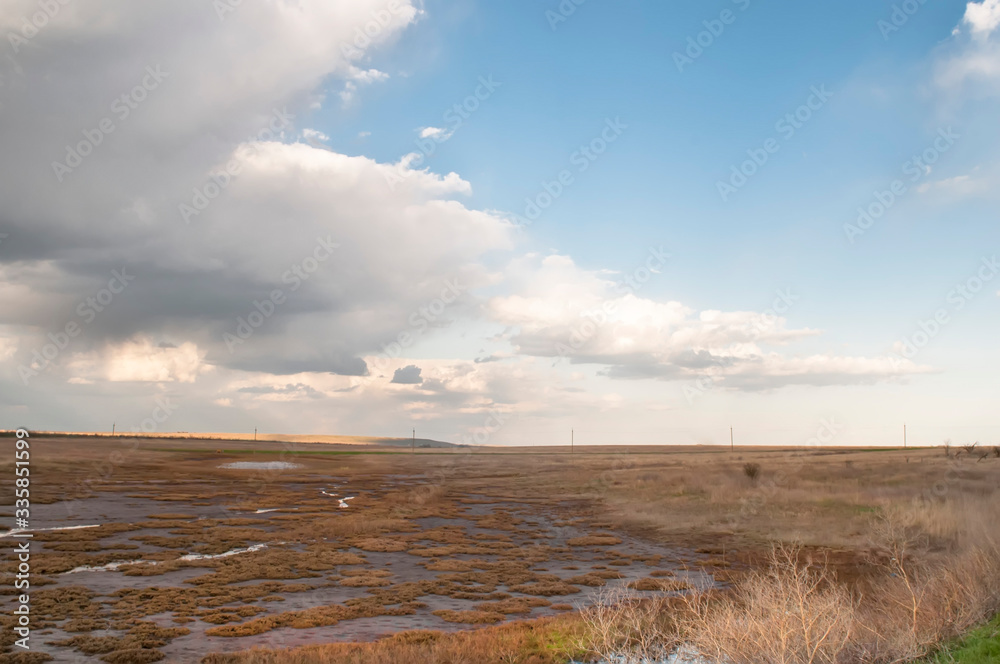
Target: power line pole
(113, 428)
(732, 443)
(904, 436)
(413, 441)
(255, 434)
(571, 435)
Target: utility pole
(732, 443)
(113, 428)
(904, 436)
(413, 442)
(255, 434)
(571, 435)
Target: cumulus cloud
(209, 221)
(314, 136)
(982, 18)
(439, 134)
(200, 192)
(408, 375)
(141, 360)
(972, 65)
(589, 318)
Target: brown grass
(470, 617)
(543, 641)
(796, 611)
(659, 584)
(594, 540)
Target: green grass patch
(980, 646)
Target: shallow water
(261, 465)
(538, 528)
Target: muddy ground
(174, 553)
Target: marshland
(236, 552)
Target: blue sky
(559, 83)
(687, 129)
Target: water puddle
(260, 465)
(187, 557)
(15, 531)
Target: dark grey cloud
(408, 375)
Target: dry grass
(543, 641)
(796, 611)
(594, 540)
(666, 585)
(470, 617)
(789, 613)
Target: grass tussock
(544, 641)
(668, 585)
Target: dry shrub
(627, 629)
(787, 613)
(925, 599)
(937, 574)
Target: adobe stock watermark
(594, 320)
(495, 421)
(917, 167)
(34, 23)
(786, 127)
(582, 159)
(87, 311)
(102, 471)
(754, 329)
(431, 137)
(958, 297)
(827, 431)
(295, 276)
(122, 108)
(419, 321)
(899, 17)
(364, 35)
(562, 12)
(714, 28)
(202, 197)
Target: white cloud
(971, 184)
(314, 136)
(8, 347)
(358, 77)
(437, 133)
(983, 17)
(141, 360)
(973, 67)
(564, 311)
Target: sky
(497, 223)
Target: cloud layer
(167, 228)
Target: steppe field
(219, 551)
